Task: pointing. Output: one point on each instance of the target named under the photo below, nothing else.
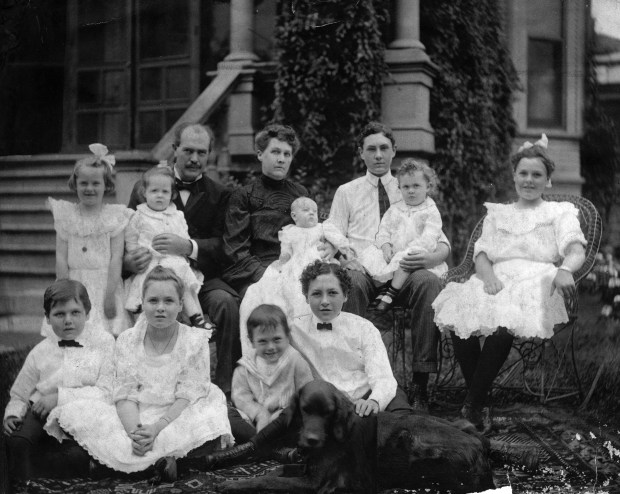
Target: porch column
(405, 100)
(241, 31)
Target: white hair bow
(101, 152)
(542, 142)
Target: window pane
(87, 129)
(88, 91)
(163, 28)
(544, 18)
(91, 43)
(149, 126)
(114, 87)
(150, 84)
(172, 116)
(115, 129)
(177, 82)
(544, 83)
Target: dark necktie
(62, 343)
(384, 200)
(321, 326)
(191, 186)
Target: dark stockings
(481, 366)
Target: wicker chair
(534, 353)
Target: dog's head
(325, 412)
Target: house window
(545, 63)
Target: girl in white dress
(158, 215)
(410, 226)
(164, 405)
(299, 246)
(90, 240)
(517, 290)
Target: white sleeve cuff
(194, 254)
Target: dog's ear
(343, 415)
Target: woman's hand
(492, 285)
(564, 284)
(366, 407)
(143, 437)
(109, 305)
(11, 424)
(44, 406)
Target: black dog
(346, 452)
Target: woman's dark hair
(280, 132)
(156, 171)
(64, 290)
(535, 151)
(267, 316)
(312, 271)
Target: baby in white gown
(280, 283)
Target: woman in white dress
(517, 290)
(163, 403)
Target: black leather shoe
(225, 456)
(480, 418)
(419, 399)
(286, 455)
(165, 470)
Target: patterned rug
(575, 458)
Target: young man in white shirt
(356, 211)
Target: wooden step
(26, 302)
(27, 263)
(38, 216)
(34, 173)
(35, 283)
(47, 187)
(28, 237)
(27, 324)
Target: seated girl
(155, 216)
(267, 379)
(410, 226)
(164, 407)
(517, 290)
(280, 283)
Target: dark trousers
(31, 451)
(223, 309)
(480, 366)
(417, 294)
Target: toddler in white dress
(158, 215)
(410, 226)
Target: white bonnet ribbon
(101, 152)
(542, 142)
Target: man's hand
(564, 284)
(137, 260)
(44, 406)
(11, 424)
(169, 243)
(326, 250)
(417, 260)
(365, 407)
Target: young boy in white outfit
(67, 365)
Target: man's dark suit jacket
(204, 214)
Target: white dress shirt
(72, 372)
(355, 209)
(351, 356)
(184, 195)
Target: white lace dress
(283, 287)
(142, 228)
(154, 383)
(524, 245)
(410, 230)
(88, 239)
